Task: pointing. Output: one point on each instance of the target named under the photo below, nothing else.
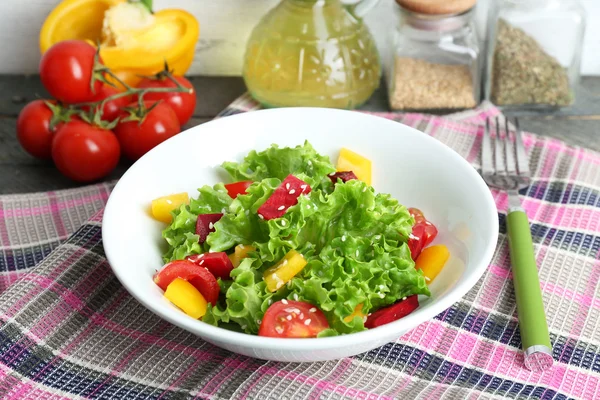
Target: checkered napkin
(69, 329)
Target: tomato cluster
(90, 122)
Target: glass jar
(316, 53)
(534, 53)
(435, 59)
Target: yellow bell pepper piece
(282, 272)
(241, 252)
(162, 207)
(356, 313)
(351, 161)
(431, 261)
(132, 43)
(185, 296)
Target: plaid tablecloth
(69, 329)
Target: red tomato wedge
(423, 233)
(292, 319)
(198, 276)
(217, 263)
(205, 225)
(393, 312)
(237, 188)
(345, 176)
(285, 196)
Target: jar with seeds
(434, 64)
(534, 53)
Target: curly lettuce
(353, 239)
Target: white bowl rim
(218, 334)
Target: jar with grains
(434, 63)
(534, 53)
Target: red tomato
(183, 104)
(285, 196)
(198, 276)
(33, 129)
(113, 108)
(292, 319)
(157, 126)
(216, 263)
(237, 188)
(85, 152)
(392, 313)
(66, 71)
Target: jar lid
(437, 7)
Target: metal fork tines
(504, 162)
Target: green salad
(295, 249)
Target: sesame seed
(201, 262)
(284, 301)
(292, 191)
(247, 212)
(377, 237)
(279, 285)
(270, 302)
(281, 208)
(381, 287)
(308, 206)
(353, 271)
(258, 321)
(357, 253)
(307, 322)
(289, 317)
(279, 329)
(427, 278)
(364, 319)
(303, 187)
(343, 238)
(241, 246)
(404, 298)
(283, 222)
(314, 309)
(289, 284)
(381, 295)
(169, 201)
(284, 262)
(292, 310)
(296, 296)
(211, 225)
(211, 251)
(287, 186)
(201, 255)
(301, 316)
(364, 189)
(332, 174)
(223, 210)
(261, 216)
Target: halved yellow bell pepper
(282, 272)
(241, 252)
(145, 47)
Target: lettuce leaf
(276, 162)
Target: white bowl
(416, 169)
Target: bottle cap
(437, 7)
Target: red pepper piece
(393, 312)
(284, 197)
(237, 188)
(217, 263)
(205, 225)
(345, 176)
(423, 233)
(198, 276)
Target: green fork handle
(530, 307)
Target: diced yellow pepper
(162, 207)
(185, 296)
(432, 260)
(350, 161)
(356, 313)
(282, 272)
(241, 252)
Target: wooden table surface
(21, 173)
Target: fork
(505, 166)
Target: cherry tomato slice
(292, 319)
(217, 263)
(197, 275)
(392, 313)
(237, 188)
